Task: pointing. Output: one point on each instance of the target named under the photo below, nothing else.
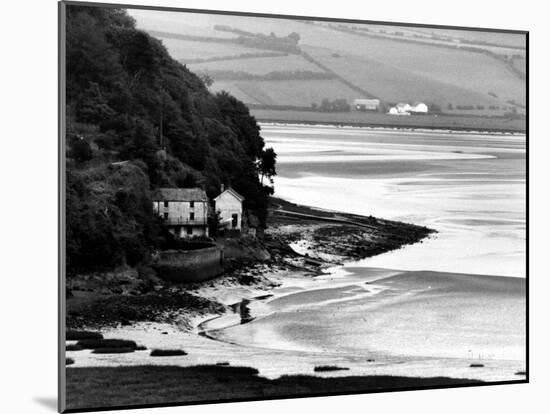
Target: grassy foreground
(140, 385)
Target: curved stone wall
(190, 265)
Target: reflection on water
(469, 187)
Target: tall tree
(266, 165)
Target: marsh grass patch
(126, 350)
(106, 343)
(73, 347)
(80, 335)
(167, 352)
(328, 368)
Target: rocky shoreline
(298, 240)
(334, 237)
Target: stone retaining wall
(190, 265)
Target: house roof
(180, 194)
(232, 192)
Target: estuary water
(453, 305)
(469, 187)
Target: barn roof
(180, 194)
(366, 101)
(233, 192)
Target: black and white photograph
(260, 206)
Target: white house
(366, 104)
(183, 210)
(403, 108)
(395, 110)
(229, 204)
(419, 108)
(406, 109)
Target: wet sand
(372, 321)
(400, 318)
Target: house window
(191, 204)
(165, 216)
(234, 220)
(191, 216)
(166, 204)
(189, 230)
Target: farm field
(371, 61)
(509, 40)
(294, 92)
(195, 24)
(259, 66)
(184, 50)
(497, 43)
(245, 92)
(469, 70)
(520, 64)
(454, 43)
(396, 85)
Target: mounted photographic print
(260, 206)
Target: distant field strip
(271, 76)
(259, 65)
(507, 55)
(396, 85)
(512, 41)
(181, 36)
(236, 57)
(183, 50)
(465, 69)
(453, 42)
(363, 93)
(383, 120)
(299, 93)
(187, 23)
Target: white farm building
(366, 104)
(419, 108)
(229, 205)
(407, 109)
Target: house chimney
(222, 188)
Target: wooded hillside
(127, 99)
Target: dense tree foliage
(138, 120)
(337, 105)
(266, 165)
